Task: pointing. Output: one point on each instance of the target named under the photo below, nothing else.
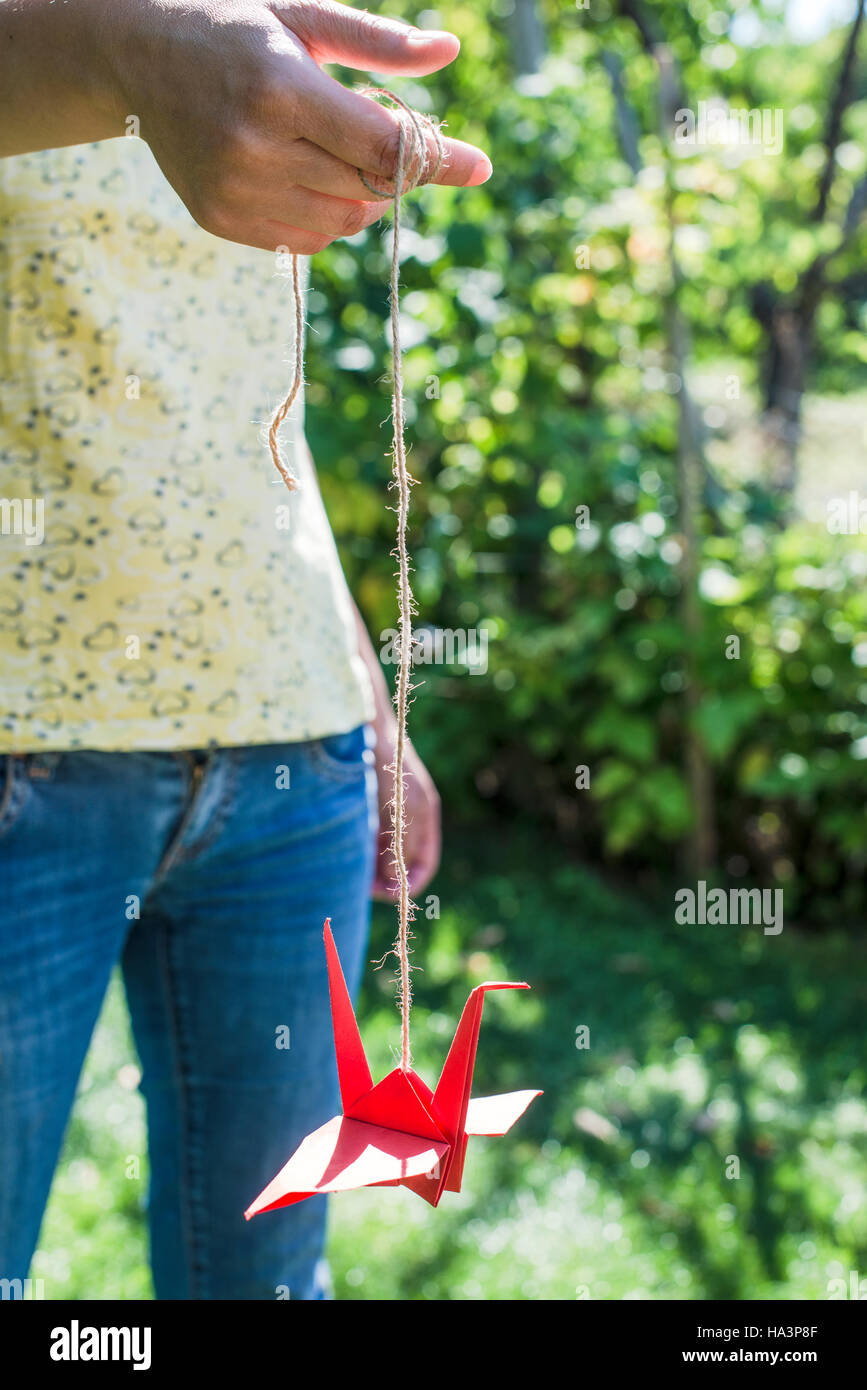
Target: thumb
(335, 33)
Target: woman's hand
(423, 841)
(423, 838)
(262, 145)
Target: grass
(711, 1142)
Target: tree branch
(627, 126)
(842, 100)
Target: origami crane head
(398, 1132)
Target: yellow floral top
(159, 587)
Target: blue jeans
(208, 877)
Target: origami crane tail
(352, 1068)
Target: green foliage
(539, 382)
(617, 1183)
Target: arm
(56, 80)
(262, 146)
(423, 835)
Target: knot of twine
(414, 166)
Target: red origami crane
(399, 1132)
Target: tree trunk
(701, 841)
(527, 37)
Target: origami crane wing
(495, 1115)
(344, 1154)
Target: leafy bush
(539, 381)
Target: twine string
(295, 386)
(414, 166)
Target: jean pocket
(341, 756)
(14, 790)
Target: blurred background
(637, 400)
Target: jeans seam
(14, 793)
(172, 849)
(187, 1164)
(8, 788)
(220, 814)
(176, 852)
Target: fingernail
(481, 173)
(428, 35)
